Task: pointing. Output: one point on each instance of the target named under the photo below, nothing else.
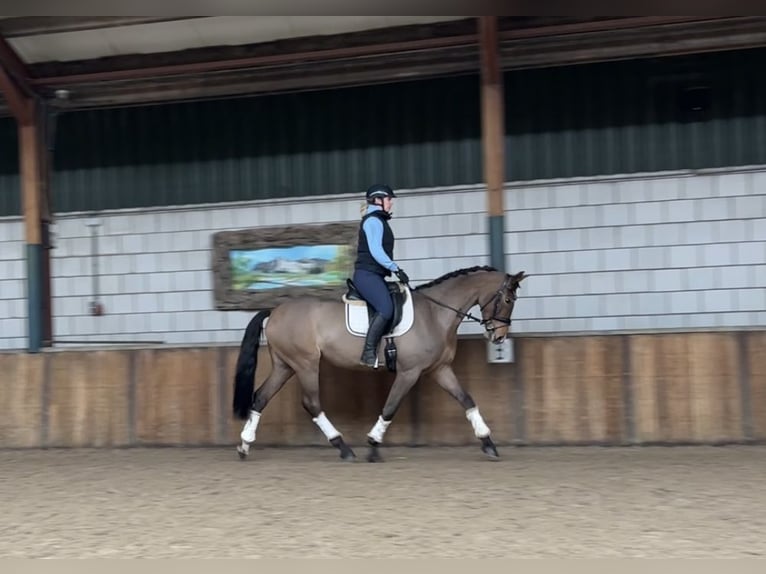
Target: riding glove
(402, 276)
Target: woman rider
(374, 262)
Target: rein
(458, 312)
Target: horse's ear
(519, 277)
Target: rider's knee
(387, 312)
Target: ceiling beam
(257, 61)
(710, 36)
(225, 52)
(142, 67)
(609, 25)
(520, 49)
(245, 87)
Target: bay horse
(301, 331)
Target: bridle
(501, 292)
(486, 323)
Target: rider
(374, 261)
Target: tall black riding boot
(374, 335)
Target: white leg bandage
(326, 426)
(480, 428)
(379, 430)
(248, 433)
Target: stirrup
(374, 364)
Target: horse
(301, 331)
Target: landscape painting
(262, 267)
(298, 266)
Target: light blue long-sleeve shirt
(373, 229)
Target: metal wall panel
(600, 119)
(410, 134)
(636, 116)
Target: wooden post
(493, 135)
(33, 160)
(34, 179)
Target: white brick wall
(13, 290)
(661, 251)
(646, 252)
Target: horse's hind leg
(447, 380)
(280, 373)
(310, 384)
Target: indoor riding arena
(162, 180)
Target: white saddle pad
(358, 320)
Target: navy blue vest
(364, 259)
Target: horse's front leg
(404, 381)
(447, 380)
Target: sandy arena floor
(451, 502)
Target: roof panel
(155, 37)
(168, 36)
(226, 30)
(63, 46)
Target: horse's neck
(458, 293)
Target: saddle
(359, 314)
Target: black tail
(244, 380)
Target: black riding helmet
(379, 190)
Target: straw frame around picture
(228, 296)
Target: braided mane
(451, 274)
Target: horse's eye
(507, 300)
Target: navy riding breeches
(373, 288)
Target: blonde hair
(363, 208)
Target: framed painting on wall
(262, 267)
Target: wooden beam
(381, 42)
(230, 55)
(14, 85)
(492, 112)
(29, 141)
(493, 134)
(305, 68)
(17, 101)
(257, 61)
(608, 25)
(15, 67)
(33, 167)
(34, 176)
(317, 76)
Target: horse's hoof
(348, 456)
(373, 455)
(242, 452)
(345, 451)
(489, 449)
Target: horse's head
(496, 303)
